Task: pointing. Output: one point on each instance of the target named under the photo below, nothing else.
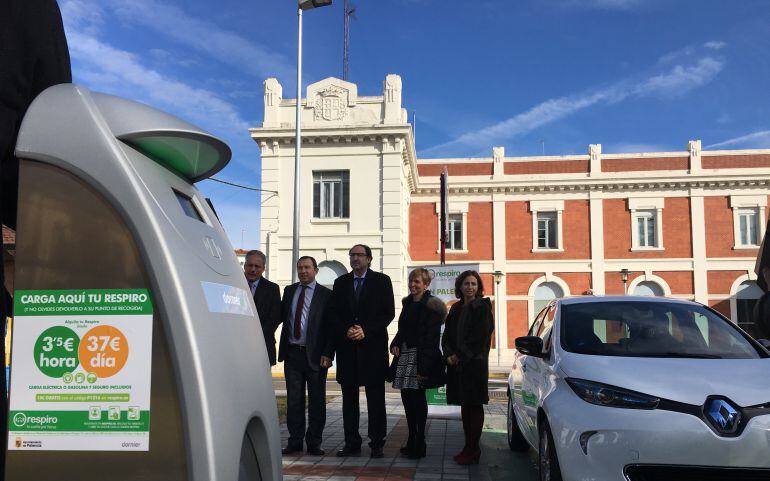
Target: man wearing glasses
(363, 308)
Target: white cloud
(681, 79)
(600, 4)
(164, 56)
(756, 140)
(82, 15)
(613, 4)
(724, 119)
(675, 81)
(206, 37)
(541, 114)
(715, 45)
(107, 68)
(113, 66)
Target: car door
(526, 401)
(539, 370)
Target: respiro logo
(21, 419)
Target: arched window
(746, 297)
(328, 271)
(546, 292)
(648, 288)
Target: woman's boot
(419, 447)
(407, 449)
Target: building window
(748, 226)
(646, 223)
(328, 272)
(649, 288)
(457, 227)
(645, 228)
(547, 228)
(547, 225)
(748, 220)
(545, 293)
(455, 235)
(331, 197)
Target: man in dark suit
(363, 308)
(267, 298)
(306, 349)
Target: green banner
(79, 421)
(436, 396)
(82, 302)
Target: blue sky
(531, 75)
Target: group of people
(350, 321)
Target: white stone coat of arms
(331, 104)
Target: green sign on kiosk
(81, 370)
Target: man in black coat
(363, 308)
(306, 349)
(267, 298)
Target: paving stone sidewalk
(444, 439)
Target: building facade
(683, 224)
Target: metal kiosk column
(137, 354)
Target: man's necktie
(298, 313)
(357, 287)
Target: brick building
(684, 224)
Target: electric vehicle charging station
(137, 353)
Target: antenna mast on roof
(348, 11)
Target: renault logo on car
(723, 415)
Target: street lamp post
(624, 278)
(302, 5)
(498, 277)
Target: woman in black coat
(466, 343)
(418, 364)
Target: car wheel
(547, 459)
(516, 440)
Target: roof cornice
(598, 185)
(346, 133)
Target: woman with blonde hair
(466, 343)
(418, 365)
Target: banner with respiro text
(442, 286)
(80, 370)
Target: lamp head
(309, 4)
(624, 274)
(498, 276)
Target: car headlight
(611, 396)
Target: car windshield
(652, 329)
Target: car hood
(691, 381)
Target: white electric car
(640, 388)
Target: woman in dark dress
(466, 343)
(419, 364)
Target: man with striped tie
(306, 350)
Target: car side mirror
(530, 346)
(764, 342)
